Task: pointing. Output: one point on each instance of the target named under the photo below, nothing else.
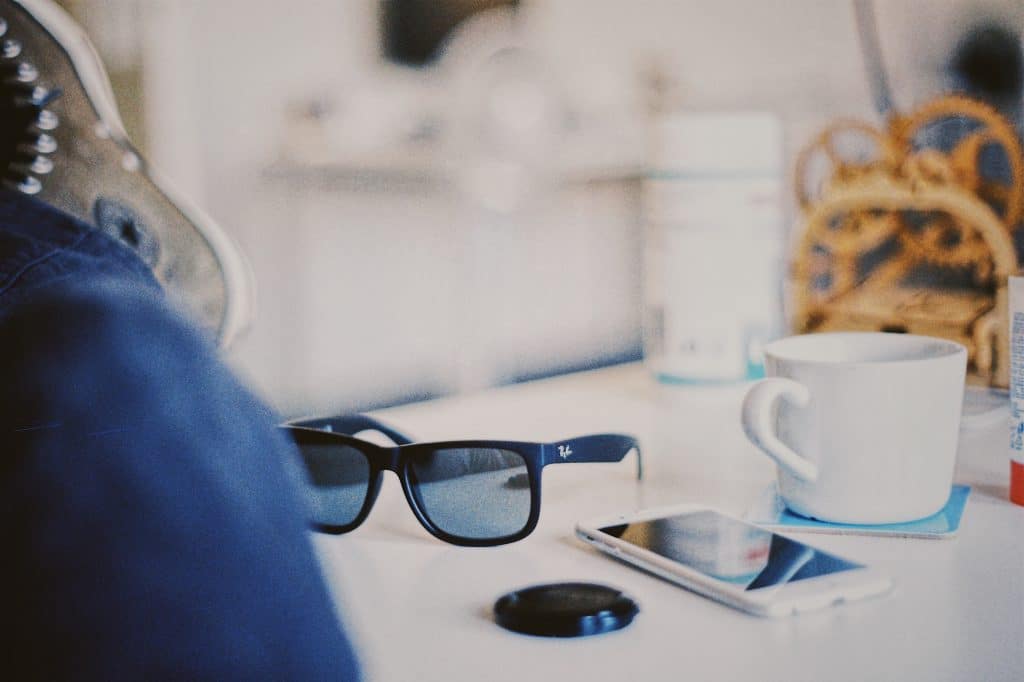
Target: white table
(419, 609)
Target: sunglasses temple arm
(352, 424)
(605, 447)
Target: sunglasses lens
(338, 477)
(473, 493)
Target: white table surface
(419, 609)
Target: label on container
(1017, 369)
(714, 255)
(1016, 315)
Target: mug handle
(757, 423)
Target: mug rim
(775, 349)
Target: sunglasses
(475, 493)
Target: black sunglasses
(467, 492)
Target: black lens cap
(565, 610)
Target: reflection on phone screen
(726, 549)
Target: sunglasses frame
(328, 431)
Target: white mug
(867, 425)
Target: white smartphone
(732, 561)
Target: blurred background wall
(418, 230)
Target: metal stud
(47, 120)
(46, 144)
(39, 96)
(41, 165)
(9, 49)
(27, 73)
(30, 185)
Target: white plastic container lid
(717, 143)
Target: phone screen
(729, 550)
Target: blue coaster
(943, 524)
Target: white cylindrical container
(713, 245)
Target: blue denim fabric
(150, 525)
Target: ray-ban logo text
(564, 451)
